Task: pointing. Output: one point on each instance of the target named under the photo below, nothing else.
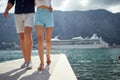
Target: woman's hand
(50, 9)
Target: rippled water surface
(95, 64)
(88, 64)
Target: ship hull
(82, 46)
(71, 44)
(79, 42)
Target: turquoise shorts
(44, 17)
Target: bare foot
(41, 67)
(48, 59)
(48, 62)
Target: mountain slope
(68, 24)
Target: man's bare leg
(22, 46)
(28, 42)
(28, 45)
(23, 49)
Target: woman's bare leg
(48, 44)
(40, 36)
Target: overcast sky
(82, 5)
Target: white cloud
(84, 2)
(114, 9)
(68, 5)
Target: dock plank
(59, 69)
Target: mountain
(68, 24)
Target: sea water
(87, 64)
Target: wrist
(6, 10)
(50, 7)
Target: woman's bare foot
(48, 62)
(41, 67)
(48, 59)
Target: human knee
(28, 31)
(39, 35)
(48, 41)
(21, 36)
(27, 35)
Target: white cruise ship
(79, 42)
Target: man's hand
(6, 14)
(8, 7)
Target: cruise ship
(79, 42)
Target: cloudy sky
(82, 5)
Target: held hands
(50, 9)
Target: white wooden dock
(59, 69)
